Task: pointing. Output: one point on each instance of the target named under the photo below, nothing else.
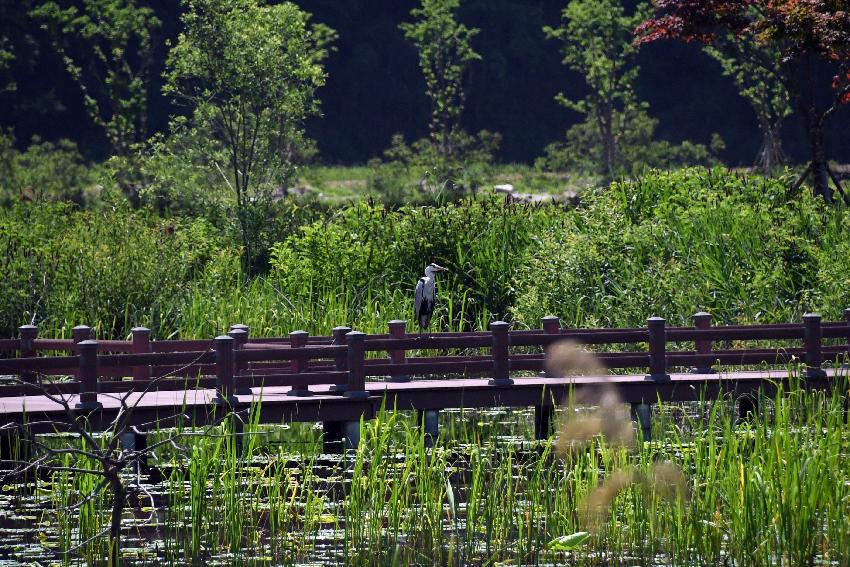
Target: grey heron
(426, 295)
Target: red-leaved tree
(812, 42)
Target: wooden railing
(234, 363)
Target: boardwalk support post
(356, 366)
(224, 364)
(501, 355)
(543, 413)
(28, 335)
(141, 345)
(135, 442)
(239, 333)
(812, 342)
(351, 434)
(748, 407)
(15, 444)
(702, 321)
(429, 421)
(398, 331)
(88, 376)
(340, 362)
(642, 414)
(332, 437)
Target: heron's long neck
(429, 272)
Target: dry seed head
(568, 358)
(596, 506)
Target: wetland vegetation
(197, 190)
(708, 489)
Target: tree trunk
(770, 154)
(118, 498)
(819, 169)
(609, 145)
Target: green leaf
(568, 542)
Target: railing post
(398, 329)
(340, 362)
(239, 334)
(356, 366)
(551, 324)
(239, 326)
(847, 357)
(141, 345)
(702, 320)
(298, 339)
(224, 360)
(657, 349)
(79, 334)
(501, 355)
(27, 349)
(88, 376)
(812, 342)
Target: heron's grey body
(426, 296)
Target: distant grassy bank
(666, 244)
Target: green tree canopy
(445, 52)
(747, 63)
(597, 42)
(249, 72)
(107, 46)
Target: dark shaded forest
(375, 88)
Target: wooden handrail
(348, 354)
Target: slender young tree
(107, 46)
(806, 38)
(597, 42)
(747, 63)
(445, 52)
(249, 73)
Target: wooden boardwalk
(279, 406)
(349, 375)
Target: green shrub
(109, 270)
(380, 250)
(673, 243)
(44, 172)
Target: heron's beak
(441, 269)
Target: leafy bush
(438, 178)
(666, 244)
(44, 172)
(674, 243)
(373, 250)
(638, 150)
(109, 270)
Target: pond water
(486, 494)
